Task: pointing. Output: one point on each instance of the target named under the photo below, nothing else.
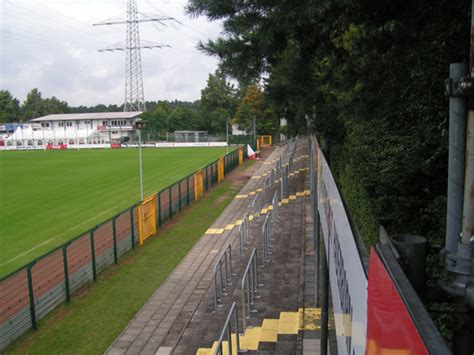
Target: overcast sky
(52, 45)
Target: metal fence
(31, 292)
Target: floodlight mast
(134, 93)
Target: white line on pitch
(59, 235)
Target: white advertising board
(347, 276)
(193, 144)
(24, 147)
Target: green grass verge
(49, 197)
(91, 322)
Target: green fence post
(31, 295)
(66, 274)
(94, 266)
(114, 235)
(216, 169)
(132, 228)
(187, 190)
(159, 209)
(179, 195)
(171, 202)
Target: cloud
(52, 45)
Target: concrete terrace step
(289, 323)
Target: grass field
(91, 322)
(48, 197)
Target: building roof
(87, 116)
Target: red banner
(390, 327)
(56, 146)
(115, 145)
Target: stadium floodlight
(139, 126)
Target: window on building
(61, 124)
(30, 142)
(44, 124)
(69, 124)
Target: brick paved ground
(160, 324)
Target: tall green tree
(218, 102)
(370, 77)
(9, 107)
(33, 105)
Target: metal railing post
(94, 265)
(266, 238)
(170, 208)
(132, 228)
(227, 330)
(243, 233)
(179, 195)
(66, 274)
(249, 285)
(187, 190)
(222, 275)
(114, 238)
(31, 297)
(159, 209)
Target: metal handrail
(249, 287)
(228, 329)
(266, 237)
(222, 275)
(275, 201)
(256, 206)
(266, 190)
(284, 181)
(272, 178)
(243, 233)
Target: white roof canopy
(87, 116)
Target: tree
(33, 105)
(9, 107)
(218, 102)
(254, 106)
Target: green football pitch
(48, 197)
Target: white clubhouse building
(75, 129)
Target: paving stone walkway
(161, 323)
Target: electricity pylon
(134, 95)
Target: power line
(182, 23)
(36, 19)
(34, 36)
